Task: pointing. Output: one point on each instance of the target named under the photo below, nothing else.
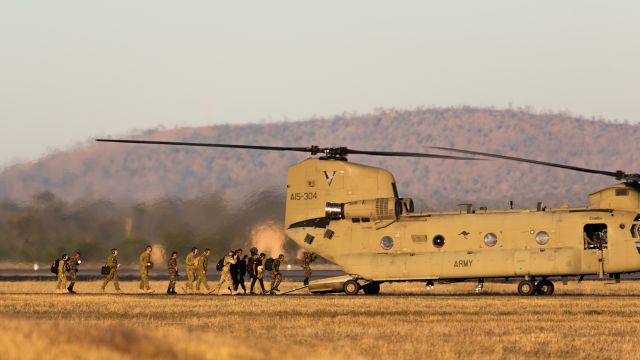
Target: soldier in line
(225, 276)
(112, 263)
(307, 259)
(234, 270)
(202, 263)
(73, 271)
(145, 266)
(251, 261)
(276, 276)
(241, 268)
(258, 271)
(191, 270)
(62, 277)
(172, 266)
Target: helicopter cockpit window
(595, 236)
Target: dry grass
(588, 320)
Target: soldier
(145, 266)
(225, 276)
(258, 272)
(241, 268)
(112, 264)
(307, 259)
(62, 277)
(73, 271)
(172, 266)
(202, 263)
(251, 268)
(191, 270)
(234, 269)
(276, 276)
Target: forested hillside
(135, 172)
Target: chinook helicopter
(351, 214)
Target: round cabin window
(490, 239)
(386, 243)
(438, 241)
(542, 237)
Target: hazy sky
(70, 70)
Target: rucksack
(250, 265)
(268, 265)
(220, 264)
(54, 266)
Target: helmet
(254, 251)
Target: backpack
(250, 265)
(54, 266)
(220, 264)
(268, 265)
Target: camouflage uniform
(172, 266)
(225, 276)
(202, 264)
(307, 259)
(73, 273)
(145, 266)
(62, 277)
(112, 263)
(276, 276)
(191, 272)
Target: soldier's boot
(70, 289)
(169, 292)
(173, 291)
(150, 291)
(306, 281)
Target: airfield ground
(588, 320)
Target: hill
(141, 173)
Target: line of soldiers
(233, 268)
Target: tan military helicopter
(351, 215)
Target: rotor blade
(232, 146)
(407, 154)
(616, 174)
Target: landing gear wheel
(351, 287)
(526, 288)
(544, 287)
(371, 288)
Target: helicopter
(352, 215)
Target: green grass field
(587, 320)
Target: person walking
(113, 265)
(307, 259)
(202, 263)
(225, 276)
(62, 276)
(74, 262)
(191, 270)
(276, 276)
(145, 266)
(172, 266)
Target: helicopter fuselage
(351, 215)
